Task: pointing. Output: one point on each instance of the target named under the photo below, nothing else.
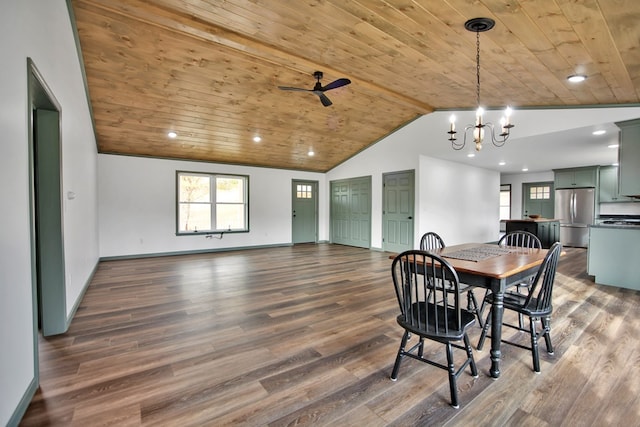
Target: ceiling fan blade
(337, 83)
(325, 101)
(294, 88)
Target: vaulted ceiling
(210, 70)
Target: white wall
(137, 203)
(41, 30)
(516, 181)
(459, 202)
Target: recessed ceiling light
(470, 155)
(502, 163)
(613, 145)
(311, 153)
(577, 78)
(599, 132)
(257, 139)
(172, 135)
(525, 169)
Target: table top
(491, 260)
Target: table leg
(496, 332)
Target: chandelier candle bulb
(452, 120)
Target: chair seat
(515, 301)
(437, 330)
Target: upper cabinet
(629, 153)
(576, 177)
(609, 186)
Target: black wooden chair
(432, 313)
(536, 305)
(432, 240)
(520, 239)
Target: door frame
(49, 301)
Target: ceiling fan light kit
(479, 25)
(318, 89)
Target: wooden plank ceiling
(210, 70)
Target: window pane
(504, 212)
(194, 217)
(505, 198)
(505, 201)
(229, 190)
(304, 191)
(194, 188)
(230, 217)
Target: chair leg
(546, 325)
(485, 330)
(472, 306)
(453, 387)
(396, 366)
(472, 362)
(534, 345)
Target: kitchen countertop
(618, 221)
(531, 220)
(626, 226)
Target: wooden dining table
(496, 268)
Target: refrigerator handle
(573, 207)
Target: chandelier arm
(502, 137)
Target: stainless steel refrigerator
(575, 208)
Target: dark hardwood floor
(307, 335)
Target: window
(212, 203)
(542, 192)
(304, 191)
(505, 201)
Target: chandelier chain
(478, 66)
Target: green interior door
(304, 216)
(538, 198)
(398, 214)
(351, 212)
(49, 252)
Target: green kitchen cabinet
(629, 157)
(609, 186)
(576, 177)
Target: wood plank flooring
(307, 335)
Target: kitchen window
(212, 203)
(505, 201)
(542, 192)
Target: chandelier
(479, 25)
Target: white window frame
(213, 203)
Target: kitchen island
(547, 230)
(613, 255)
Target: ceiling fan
(318, 89)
